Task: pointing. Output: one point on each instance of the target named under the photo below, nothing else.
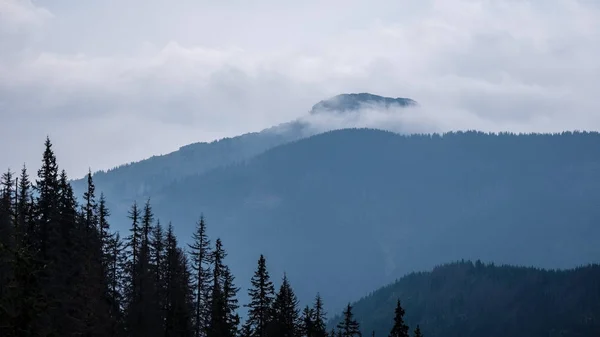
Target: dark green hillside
(348, 211)
(472, 300)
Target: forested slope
(468, 299)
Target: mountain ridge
(141, 179)
(492, 196)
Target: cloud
(115, 81)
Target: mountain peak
(352, 102)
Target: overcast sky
(113, 81)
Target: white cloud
(133, 78)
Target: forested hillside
(65, 272)
(388, 204)
(468, 299)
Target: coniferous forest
(64, 272)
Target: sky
(115, 81)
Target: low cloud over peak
(149, 76)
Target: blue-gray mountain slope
(140, 180)
(348, 211)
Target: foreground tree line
(63, 272)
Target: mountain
(124, 184)
(351, 102)
(348, 211)
(467, 299)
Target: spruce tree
(149, 303)
(25, 296)
(307, 324)
(231, 302)
(262, 293)
(348, 327)
(224, 320)
(399, 329)
(320, 317)
(285, 310)
(90, 206)
(97, 317)
(7, 255)
(135, 237)
(157, 248)
(51, 262)
(178, 302)
(24, 214)
(201, 260)
(47, 200)
(115, 274)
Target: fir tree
(348, 327)
(262, 293)
(320, 319)
(49, 251)
(399, 329)
(24, 208)
(7, 254)
(115, 274)
(47, 200)
(285, 309)
(90, 207)
(223, 318)
(201, 260)
(231, 302)
(178, 304)
(157, 248)
(307, 324)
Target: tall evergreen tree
(262, 294)
(135, 237)
(115, 274)
(201, 260)
(49, 245)
(148, 305)
(106, 237)
(178, 303)
(399, 329)
(7, 254)
(24, 208)
(349, 327)
(157, 248)
(24, 299)
(90, 206)
(217, 326)
(285, 309)
(307, 324)
(98, 316)
(231, 302)
(224, 320)
(47, 201)
(320, 318)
